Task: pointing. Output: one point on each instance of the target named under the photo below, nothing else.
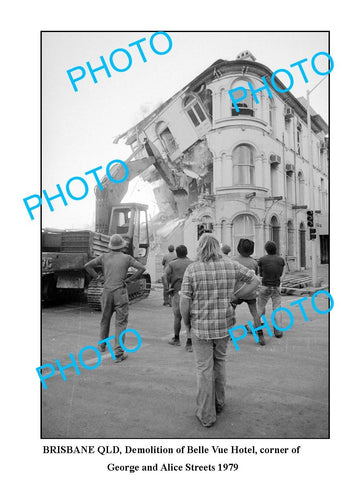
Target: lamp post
(311, 182)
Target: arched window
(275, 232)
(243, 165)
(290, 238)
(195, 110)
(245, 106)
(243, 227)
(301, 189)
(166, 137)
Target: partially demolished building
(236, 174)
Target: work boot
(261, 338)
(278, 333)
(121, 358)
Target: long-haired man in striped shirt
(206, 292)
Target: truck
(65, 252)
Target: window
(301, 188)
(289, 186)
(166, 137)
(272, 114)
(206, 99)
(275, 233)
(246, 106)
(298, 138)
(323, 196)
(290, 239)
(243, 165)
(243, 227)
(143, 228)
(274, 179)
(194, 110)
(120, 221)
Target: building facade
(239, 174)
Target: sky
(78, 127)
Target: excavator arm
(113, 193)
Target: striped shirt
(209, 286)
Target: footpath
(300, 283)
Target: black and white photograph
(162, 150)
(169, 193)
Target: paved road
(276, 391)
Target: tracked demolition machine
(65, 252)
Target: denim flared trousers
(210, 356)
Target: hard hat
(117, 242)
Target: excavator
(131, 222)
(65, 252)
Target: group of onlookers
(205, 294)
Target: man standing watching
(171, 255)
(207, 288)
(115, 265)
(245, 249)
(272, 271)
(174, 276)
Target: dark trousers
(177, 314)
(166, 296)
(114, 301)
(252, 309)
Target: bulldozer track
(95, 290)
